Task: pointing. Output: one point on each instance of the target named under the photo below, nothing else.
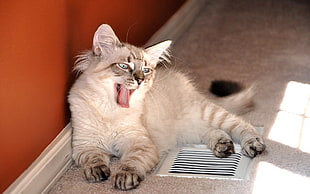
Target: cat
(123, 106)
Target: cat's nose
(139, 77)
(139, 81)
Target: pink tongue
(123, 97)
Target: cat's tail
(233, 96)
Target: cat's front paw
(253, 146)
(126, 179)
(97, 173)
(223, 148)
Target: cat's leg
(139, 156)
(94, 161)
(219, 142)
(244, 133)
(251, 142)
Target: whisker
(127, 34)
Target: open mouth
(123, 95)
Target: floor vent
(199, 161)
(196, 160)
(204, 162)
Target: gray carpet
(251, 41)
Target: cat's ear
(104, 40)
(159, 52)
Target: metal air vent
(197, 160)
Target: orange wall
(38, 40)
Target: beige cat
(120, 109)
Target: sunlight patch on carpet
(272, 179)
(292, 124)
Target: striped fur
(164, 111)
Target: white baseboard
(45, 171)
(47, 168)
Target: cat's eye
(147, 70)
(123, 66)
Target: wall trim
(46, 170)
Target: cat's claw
(97, 173)
(253, 147)
(224, 148)
(126, 180)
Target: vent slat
(207, 154)
(204, 166)
(205, 169)
(202, 171)
(235, 156)
(191, 161)
(206, 160)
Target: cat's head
(127, 68)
